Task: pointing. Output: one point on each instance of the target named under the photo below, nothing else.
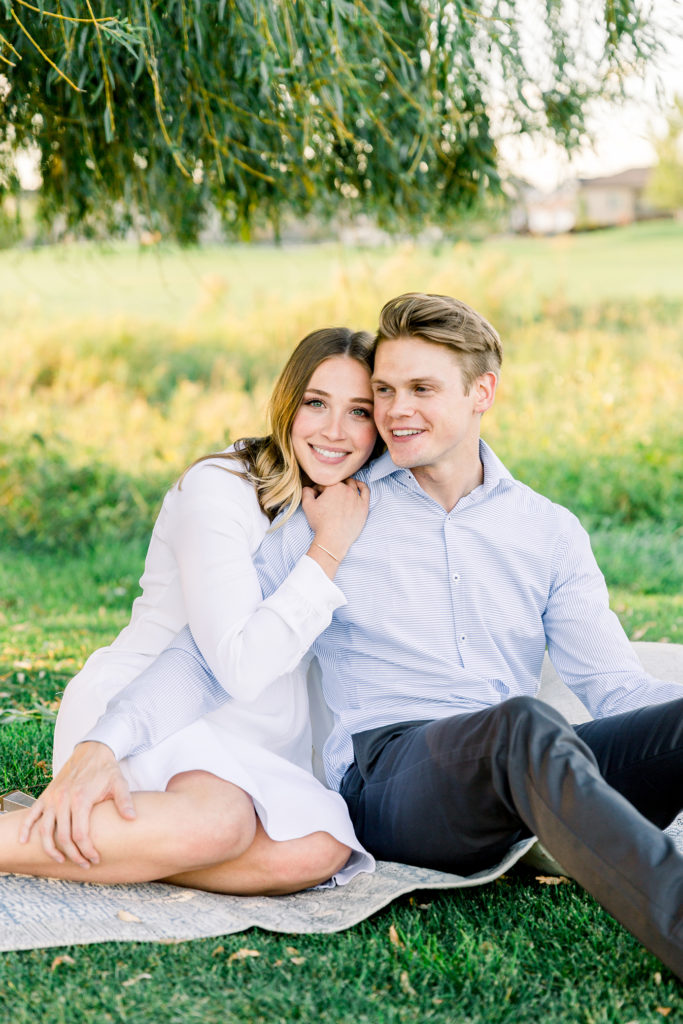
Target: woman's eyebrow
(326, 394)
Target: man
(458, 582)
(460, 578)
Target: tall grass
(119, 368)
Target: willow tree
(158, 111)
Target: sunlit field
(121, 366)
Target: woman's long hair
(269, 462)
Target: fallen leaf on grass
(218, 950)
(664, 1010)
(552, 879)
(658, 977)
(242, 954)
(393, 937)
(404, 982)
(292, 950)
(64, 959)
(298, 960)
(136, 979)
(125, 915)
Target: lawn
(120, 366)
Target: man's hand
(62, 813)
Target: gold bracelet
(316, 545)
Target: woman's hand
(336, 515)
(62, 813)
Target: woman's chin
(326, 479)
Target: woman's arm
(248, 642)
(182, 684)
(179, 686)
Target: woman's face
(333, 432)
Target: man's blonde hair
(443, 320)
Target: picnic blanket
(41, 912)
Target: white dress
(199, 571)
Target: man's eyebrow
(326, 394)
(413, 380)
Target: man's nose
(401, 405)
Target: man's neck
(447, 483)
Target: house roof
(634, 177)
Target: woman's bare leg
(270, 868)
(200, 820)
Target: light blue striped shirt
(450, 612)
(446, 612)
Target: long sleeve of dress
(213, 526)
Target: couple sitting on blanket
(427, 582)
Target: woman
(228, 804)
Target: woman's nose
(334, 425)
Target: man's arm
(586, 642)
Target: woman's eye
(363, 413)
(315, 403)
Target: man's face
(421, 409)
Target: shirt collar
(495, 473)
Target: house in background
(613, 200)
(535, 212)
(585, 203)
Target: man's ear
(484, 389)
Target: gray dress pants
(455, 793)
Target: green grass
(628, 263)
(175, 286)
(512, 953)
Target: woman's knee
(220, 822)
(301, 863)
(329, 856)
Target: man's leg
(640, 754)
(454, 794)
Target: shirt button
(463, 639)
(455, 577)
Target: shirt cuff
(116, 731)
(308, 593)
